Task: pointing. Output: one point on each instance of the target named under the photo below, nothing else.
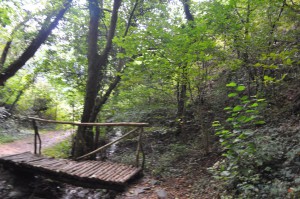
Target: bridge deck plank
(92, 174)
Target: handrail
(138, 125)
(93, 124)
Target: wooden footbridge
(87, 173)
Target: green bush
(259, 163)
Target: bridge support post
(140, 150)
(36, 136)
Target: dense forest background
(217, 76)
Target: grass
(10, 137)
(7, 138)
(59, 150)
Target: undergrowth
(260, 161)
(60, 150)
(6, 138)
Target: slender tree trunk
(181, 100)
(182, 83)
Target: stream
(117, 134)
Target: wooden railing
(140, 129)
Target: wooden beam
(93, 124)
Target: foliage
(240, 151)
(6, 138)
(162, 60)
(258, 163)
(174, 154)
(60, 150)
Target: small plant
(6, 138)
(238, 169)
(60, 150)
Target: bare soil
(27, 144)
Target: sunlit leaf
(232, 94)
(237, 108)
(231, 84)
(241, 88)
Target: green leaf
(254, 105)
(237, 108)
(249, 119)
(242, 136)
(289, 62)
(257, 65)
(232, 94)
(245, 97)
(242, 118)
(229, 119)
(216, 124)
(231, 84)
(249, 132)
(261, 100)
(241, 88)
(225, 173)
(267, 78)
(260, 122)
(227, 108)
(246, 101)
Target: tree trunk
(84, 141)
(181, 100)
(182, 83)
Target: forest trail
(20, 146)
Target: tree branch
(130, 18)
(29, 52)
(187, 11)
(4, 54)
(112, 28)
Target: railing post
(36, 136)
(140, 149)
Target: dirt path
(20, 146)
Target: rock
(72, 192)
(82, 193)
(15, 194)
(161, 194)
(98, 195)
(154, 182)
(106, 196)
(138, 191)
